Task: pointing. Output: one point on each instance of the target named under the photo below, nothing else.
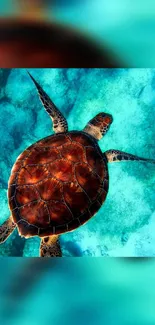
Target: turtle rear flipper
(6, 229)
(117, 155)
(50, 247)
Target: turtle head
(103, 119)
(99, 125)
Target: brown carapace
(61, 181)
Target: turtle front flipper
(99, 125)
(116, 155)
(6, 229)
(59, 122)
(50, 247)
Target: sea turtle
(61, 181)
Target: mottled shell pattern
(57, 184)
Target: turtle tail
(50, 247)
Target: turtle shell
(57, 184)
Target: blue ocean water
(125, 224)
(76, 291)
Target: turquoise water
(92, 291)
(125, 224)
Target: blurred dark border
(27, 43)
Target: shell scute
(25, 153)
(95, 207)
(82, 138)
(50, 189)
(36, 213)
(32, 175)
(26, 194)
(74, 152)
(62, 169)
(75, 198)
(40, 156)
(59, 213)
(74, 224)
(16, 167)
(54, 141)
(11, 190)
(13, 203)
(87, 180)
(13, 179)
(95, 160)
(83, 218)
(27, 230)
